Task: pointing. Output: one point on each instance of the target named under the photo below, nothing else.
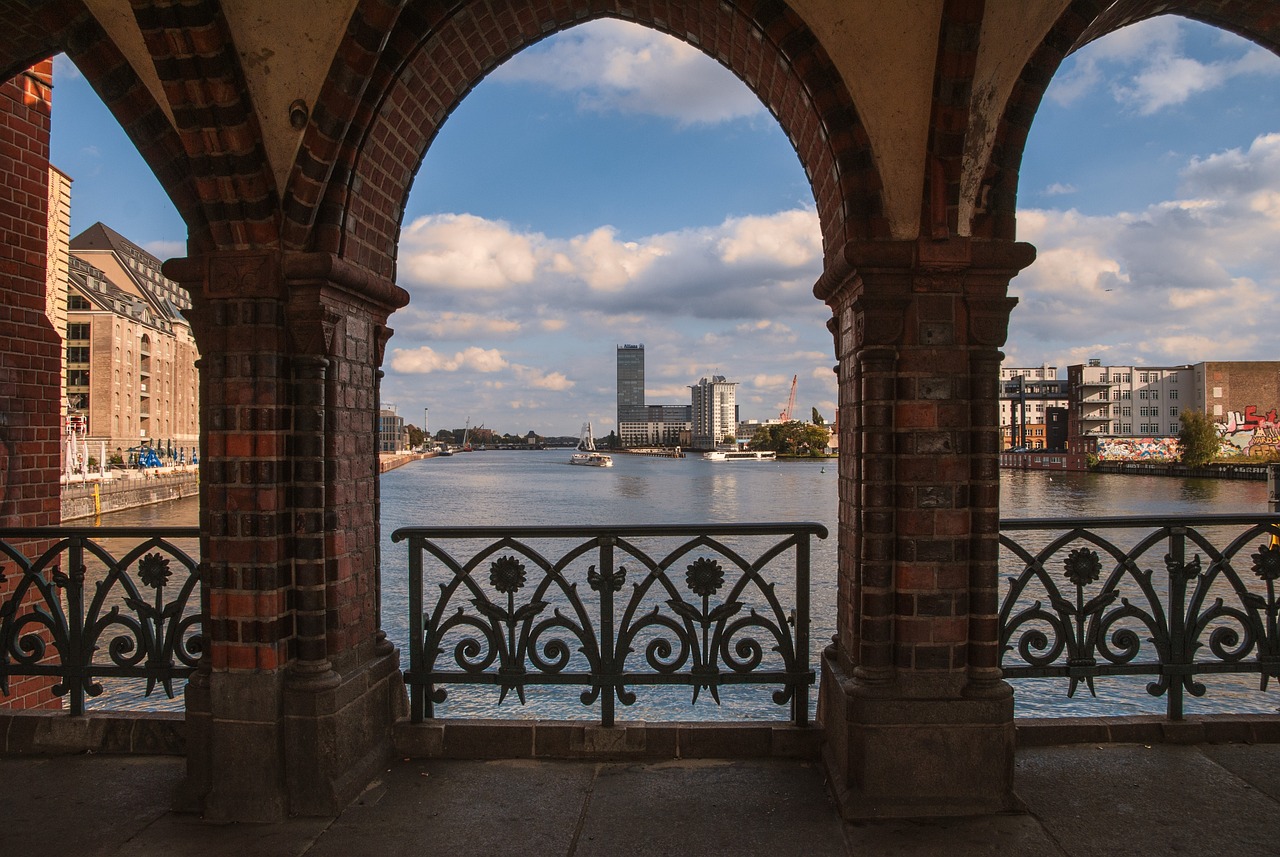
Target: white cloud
(1188, 279)
(461, 251)
(415, 320)
(791, 238)
(1144, 67)
(1058, 189)
(424, 360)
(618, 67)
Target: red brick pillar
(30, 348)
(918, 719)
(291, 711)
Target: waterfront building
(714, 411)
(1026, 394)
(392, 436)
(130, 356)
(56, 267)
(1114, 407)
(640, 424)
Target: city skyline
(1149, 186)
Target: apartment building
(130, 356)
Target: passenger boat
(586, 454)
(739, 455)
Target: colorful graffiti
(1250, 433)
(1139, 449)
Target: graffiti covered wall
(1139, 449)
(1249, 433)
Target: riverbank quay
(1077, 462)
(128, 490)
(392, 460)
(1076, 800)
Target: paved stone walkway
(1080, 800)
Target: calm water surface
(517, 488)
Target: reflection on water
(517, 488)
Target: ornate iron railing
(1172, 597)
(525, 606)
(76, 611)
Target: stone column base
(260, 751)
(893, 756)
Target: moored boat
(739, 455)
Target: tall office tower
(631, 384)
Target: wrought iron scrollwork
(512, 613)
(1109, 613)
(79, 613)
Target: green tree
(817, 418)
(791, 438)
(1199, 438)
(416, 436)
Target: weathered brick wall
(30, 365)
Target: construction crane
(785, 416)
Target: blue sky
(612, 185)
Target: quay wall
(128, 492)
(392, 460)
(1043, 460)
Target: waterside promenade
(1078, 800)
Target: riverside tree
(1198, 437)
(791, 438)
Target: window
(78, 354)
(1173, 412)
(1173, 428)
(77, 302)
(1144, 394)
(1113, 428)
(78, 378)
(1143, 377)
(1115, 410)
(1126, 428)
(1126, 395)
(1127, 377)
(1155, 394)
(77, 331)
(1124, 412)
(1173, 394)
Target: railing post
(76, 660)
(419, 694)
(800, 700)
(608, 667)
(1178, 644)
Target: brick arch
(1082, 22)
(36, 30)
(348, 191)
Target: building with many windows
(1026, 396)
(640, 424)
(130, 356)
(714, 412)
(392, 436)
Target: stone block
(418, 740)
(722, 741)
(492, 739)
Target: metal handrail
(1081, 606)
(78, 612)
(699, 632)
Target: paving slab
(90, 806)
(1138, 800)
(1004, 835)
(1256, 764)
(419, 807)
(710, 808)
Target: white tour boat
(740, 455)
(586, 454)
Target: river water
(495, 488)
